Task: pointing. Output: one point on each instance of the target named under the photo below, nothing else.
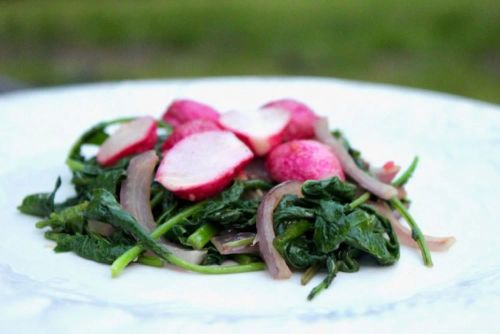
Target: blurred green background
(446, 45)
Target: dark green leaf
(213, 257)
(88, 246)
(300, 253)
(40, 205)
(331, 188)
(70, 220)
(330, 229)
(104, 207)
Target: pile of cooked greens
(332, 227)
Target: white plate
(454, 192)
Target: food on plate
(187, 129)
(302, 160)
(302, 118)
(260, 129)
(133, 137)
(203, 164)
(274, 189)
(184, 110)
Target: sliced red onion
(101, 228)
(386, 173)
(435, 244)
(265, 228)
(135, 193)
(365, 180)
(235, 243)
(401, 192)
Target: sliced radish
(301, 160)
(182, 111)
(187, 129)
(133, 137)
(302, 121)
(261, 130)
(203, 164)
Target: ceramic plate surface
(455, 191)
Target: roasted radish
(133, 137)
(203, 164)
(187, 129)
(182, 111)
(261, 129)
(302, 120)
(301, 160)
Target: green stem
(152, 261)
(240, 243)
(156, 199)
(332, 272)
(202, 236)
(43, 223)
(120, 263)
(293, 231)
(74, 165)
(243, 258)
(416, 233)
(257, 184)
(401, 181)
(358, 201)
(216, 270)
(309, 274)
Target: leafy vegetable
(328, 225)
(329, 228)
(88, 246)
(70, 220)
(40, 205)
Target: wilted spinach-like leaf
(229, 209)
(94, 177)
(88, 246)
(41, 204)
(331, 188)
(300, 253)
(104, 207)
(70, 220)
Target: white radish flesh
(203, 164)
(133, 137)
(261, 129)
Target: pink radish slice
(365, 180)
(203, 164)
(302, 121)
(435, 244)
(301, 160)
(135, 193)
(186, 129)
(182, 111)
(265, 228)
(133, 137)
(261, 130)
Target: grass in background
(446, 45)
